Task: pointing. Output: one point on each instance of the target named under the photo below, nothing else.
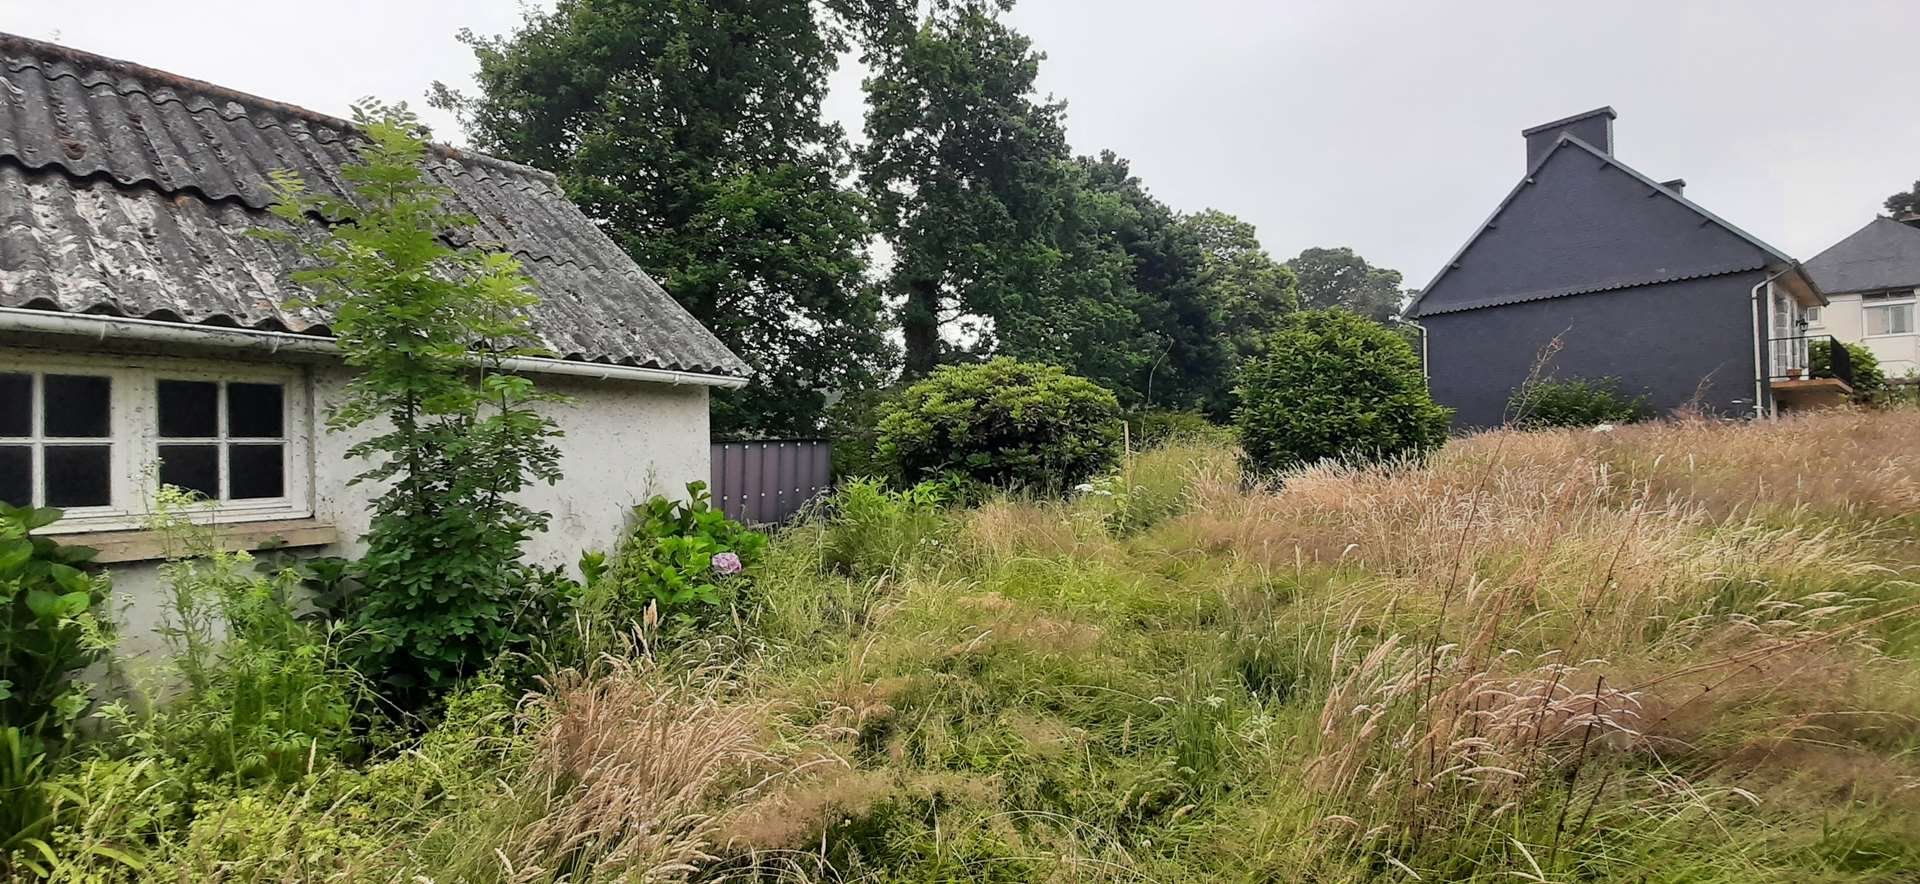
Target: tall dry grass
(632, 770)
(1691, 594)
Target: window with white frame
(1810, 316)
(1888, 313)
(96, 441)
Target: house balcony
(1810, 371)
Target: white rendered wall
(1843, 319)
(624, 442)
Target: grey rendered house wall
(1668, 341)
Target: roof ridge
(39, 49)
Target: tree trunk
(920, 326)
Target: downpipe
(1761, 310)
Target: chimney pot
(1595, 127)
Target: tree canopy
(1339, 278)
(692, 131)
(1904, 203)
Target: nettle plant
(427, 324)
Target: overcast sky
(1392, 127)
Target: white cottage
(144, 335)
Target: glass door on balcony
(1789, 343)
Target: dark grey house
(1634, 280)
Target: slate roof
(1612, 278)
(1885, 254)
(128, 191)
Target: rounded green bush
(1334, 385)
(1004, 423)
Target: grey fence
(767, 481)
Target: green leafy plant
(54, 629)
(1574, 402)
(871, 530)
(1869, 379)
(682, 557)
(54, 626)
(1334, 385)
(1002, 423)
(264, 693)
(426, 324)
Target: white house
(1871, 278)
(144, 336)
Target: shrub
(682, 556)
(1575, 402)
(1334, 385)
(1869, 379)
(1002, 423)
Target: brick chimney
(1595, 127)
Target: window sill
(147, 546)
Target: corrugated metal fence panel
(764, 482)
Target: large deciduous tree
(1340, 278)
(691, 130)
(971, 178)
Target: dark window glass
(254, 411)
(78, 475)
(16, 405)
(75, 406)
(16, 474)
(256, 471)
(192, 467)
(189, 409)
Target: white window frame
(1887, 301)
(135, 427)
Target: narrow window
(223, 440)
(16, 439)
(55, 440)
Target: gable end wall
(1667, 341)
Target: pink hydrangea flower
(726, 563)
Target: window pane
(16, 405)
(78, 475)
(254, 411)
(189, 409)
(16, 474)
(191, 467)
(256, 471)
(1890, 319)
(75, 406)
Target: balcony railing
(1811, 356)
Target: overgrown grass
(1671, 652)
